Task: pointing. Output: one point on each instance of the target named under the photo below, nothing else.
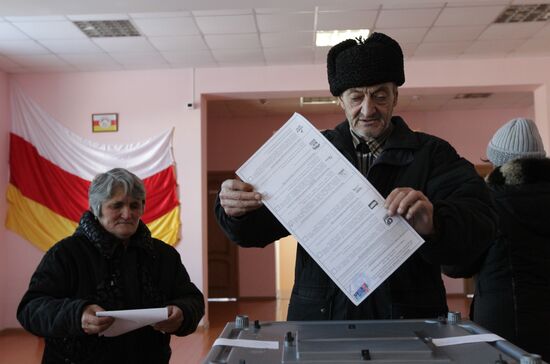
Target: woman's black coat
(93, 267)
(512, 296)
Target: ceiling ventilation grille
(524, 13)
(317, 100)
(473, 95)
(107, 28)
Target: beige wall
(285, 254)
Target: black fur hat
(364, 62)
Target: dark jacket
(93, 267)
(463, 218)
(512, 296)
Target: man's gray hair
(104, 185)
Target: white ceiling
(39, 36)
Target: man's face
(120, 215)
(369, 109)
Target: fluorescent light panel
(328, 38)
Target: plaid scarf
(368, 149)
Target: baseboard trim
(457, 295)
(262, 298)
(12, 331)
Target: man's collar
(379, 140)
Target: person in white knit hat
(518, 138)
(512, 296)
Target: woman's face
(120, 214)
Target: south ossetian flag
(51, 169)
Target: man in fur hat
(422, 177)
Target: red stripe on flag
(66, 194)
(44, 182)
(161, 194)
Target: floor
(20, 347)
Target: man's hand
(172, 323)
(414, 206)
(237, 198)
(91, 324)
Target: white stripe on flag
(83, 157)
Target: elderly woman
(111, 262)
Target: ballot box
(378, 341)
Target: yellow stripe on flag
(166, 227)
(43, 227)
(35, 222)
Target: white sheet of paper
(466, 339)
(254, 344)
(128, 320)
(331, 209)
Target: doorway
(234, 272)
(223, 260)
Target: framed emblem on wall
(104, 122)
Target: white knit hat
(518, 138)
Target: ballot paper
(245, 343)
(466, 339)
(128, 320)
(330, 208)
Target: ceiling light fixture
(317, 100)
(524, 13)
(107, 28)
(328, 38)
(473, 95)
